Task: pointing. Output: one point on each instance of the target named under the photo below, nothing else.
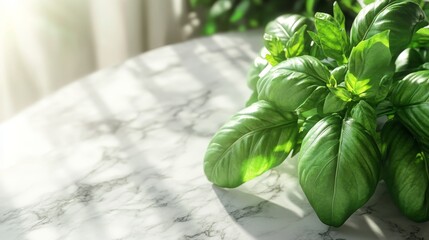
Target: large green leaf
(406, 171)
(369, 68)
(402, 18)
(411, 99)
(255, 140)
(289, 84)
(339, 168)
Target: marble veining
(118, 155)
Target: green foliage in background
(353, 103)
(222, 15)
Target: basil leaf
(306, 125)
(364, 114)
(402, 18)
(409, 60)
(276, 48)
(420, 38)
(333, 104)
(412, 90)
(290, 83)
(255, 140)
(342, 93)
(411, 100)
(296, 46)
(313, 100)
(369, 63)
(415, 118)
(285, 26)
(285, 37)
(339, 16)
(338, 169)
(332, 37)
(406, 171)
(338, 75)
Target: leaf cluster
(353, 104)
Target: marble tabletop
(118, 155)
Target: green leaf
(276, 48)
(285, 26)
(312, 101)
(240, 11)
(332, 37)
(338, 169)
(402, 18)
(339, 16)
(296, 46)
(338, 75)
(255, 140)
(341, 93)
(410, 96)
(406, 171)
(290, 83)
(415, 118)
(364, 114)
(412, 90)
(369, 63)
(306, 125)
(333, 104)
(409, 60)
(420, 38)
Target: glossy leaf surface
(369, 64)
(412, 90)
(332, 37)
(338, 169)
(406, 171)
(253, 141)
(289, 84)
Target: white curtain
(45, 44)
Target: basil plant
(353, 104)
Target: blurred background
(45, 44)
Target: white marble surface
(118, 155)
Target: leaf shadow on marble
(254, 214)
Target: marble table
(118, 155)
